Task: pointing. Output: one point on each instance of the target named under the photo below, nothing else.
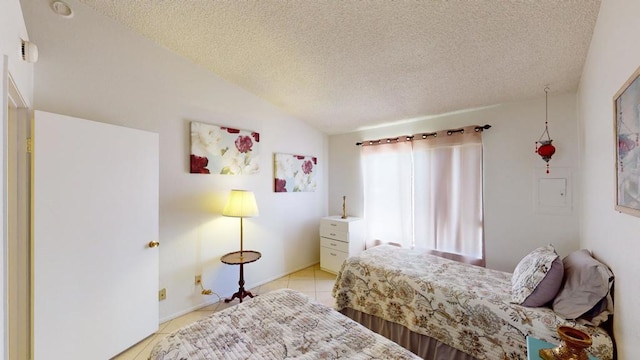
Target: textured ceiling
(345, 65)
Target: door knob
(153, 244)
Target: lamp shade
(241, 203)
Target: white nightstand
(339, 239)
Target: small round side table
(240, 258)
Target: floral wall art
(223, 150)
(627, 123)
(294, 173)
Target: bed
(281, 324)
(443, 309)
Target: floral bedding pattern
(464, 306)
(282, 324)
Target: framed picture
(294, 173)
(223, 150)
(626, 106)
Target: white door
(95, 210)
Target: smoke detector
(29, 51)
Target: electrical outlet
(162, 294)
(198, 279)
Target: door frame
(19, 226)
(16, 270)
(4, 269)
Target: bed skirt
(424, 346)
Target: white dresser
(339, 239)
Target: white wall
(512, 227)
(93, 68)
(12, 29)
(613, 237)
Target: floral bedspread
(464, 306)
(282, 324)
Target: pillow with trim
(535, 271)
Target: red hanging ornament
(545, 150)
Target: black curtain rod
(426, 135)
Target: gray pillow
(586, 282)
(530, 272)
(548, 288)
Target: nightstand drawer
(337, 225)
(333, 233)
(334, 244)
(331, 260)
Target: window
(427, 193)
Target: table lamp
(241, 204)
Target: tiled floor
(311, 281)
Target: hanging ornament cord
(546, 127)
(546, 119)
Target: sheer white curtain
(447, 212)
(387, 173)
(427, 193)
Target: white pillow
(530, 272)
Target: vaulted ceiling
(351, 64)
